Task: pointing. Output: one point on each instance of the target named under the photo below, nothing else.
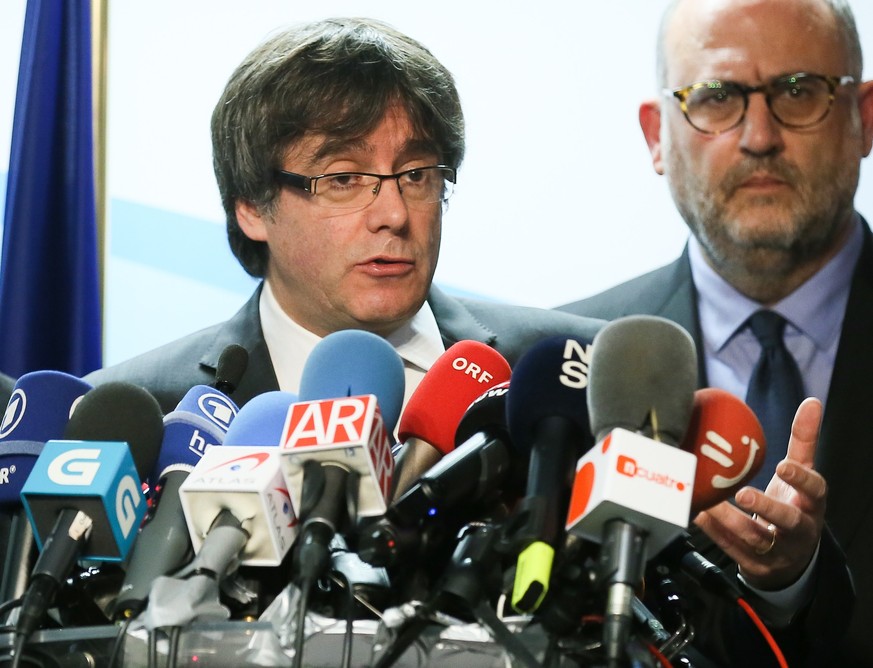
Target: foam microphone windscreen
(643, 376)
(38, 411)
(728, 441)
(351, 363)
(120, 411)
(455, 380)
(232, 364)
(200, 421)
(262, 420)
(549, 380)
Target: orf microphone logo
(75, 467)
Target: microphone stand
(465, 582)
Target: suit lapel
(455, 322)
(244, 328)
(680, 305)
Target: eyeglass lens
(418, 186)
(795, 102)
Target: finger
(738, 535)
(804, 432)
(810, 485)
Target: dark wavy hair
(335, 77)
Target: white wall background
(556, 198)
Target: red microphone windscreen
(728, 441)
(458, 377)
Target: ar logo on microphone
(75, 467)
(14, 412)
(719, 450)
(127, 500)
(217, 408)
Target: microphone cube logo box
(97, 477)
(349, 431)
(248, 481)
(645, 482)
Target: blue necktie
(775, 390)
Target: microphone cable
(6, 608)
(119, 643)
(299, 631)
(341, 580)
(173, 648)
(771, 641)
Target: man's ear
(865, 105)
(650, 122)
(251, 220)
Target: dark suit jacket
(844, 456)
(170, 371)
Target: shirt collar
(815, 308)
(418, 342)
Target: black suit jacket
(845, 452)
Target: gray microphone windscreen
(642, 378)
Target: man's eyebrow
(333, 147)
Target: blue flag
(49, 285)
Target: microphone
(351, 392)
(428, 424)
(348, 432)
(38, 411)
(353, 362)
(632, 491)
(237, 511)
(469, 473)
(547, 417)
(231, 367)
(728, 442)
(262, 420)
(163, 545)
(246, 481)
(84, 497)
(474, 471)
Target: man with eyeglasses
(760, 131)
(336, 146)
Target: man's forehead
(317, 147)
(752, 40)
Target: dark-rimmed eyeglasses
(356, 190)
(795, 100)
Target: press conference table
(240, 644)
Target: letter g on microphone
(75, 467)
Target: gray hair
(335, 77)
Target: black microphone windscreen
(643, 376)
(120, 411)
(549, 380)
(486, 413)
(232, 364)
